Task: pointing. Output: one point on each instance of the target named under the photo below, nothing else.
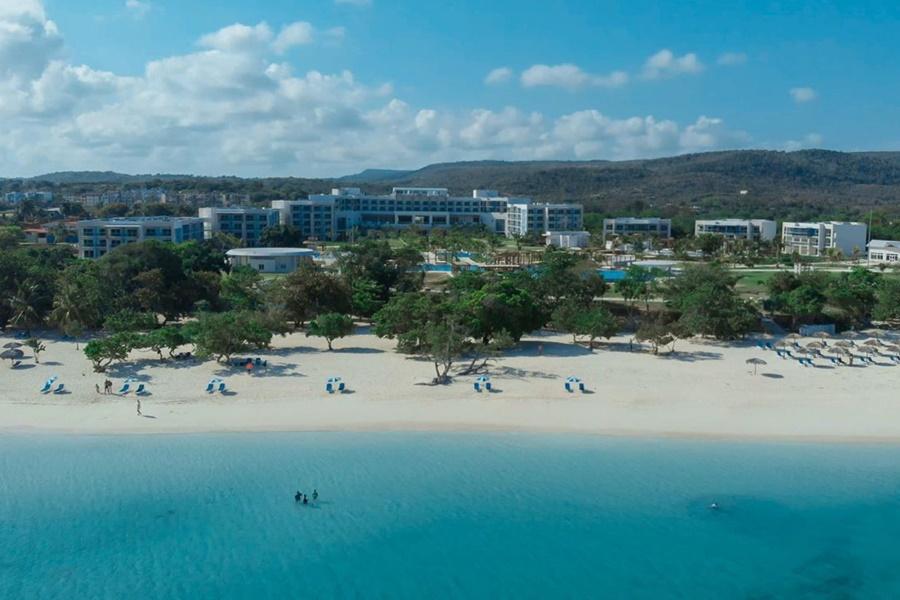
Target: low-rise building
(270, 260)
(97, 237)
(756, 230)
(632, 226)
(816, 239)
(246, 224)
(568, 239)
(884, 252)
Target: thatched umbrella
(817, 345)
(872, 342)
(13, 354)
(843, 344)
(793, 336)
(755, 362)
(822, 335)
(12, 345)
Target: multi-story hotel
(884, 251)
(757, 230)
(631, 226)
(246, 224)
(99, 236)
(335, 215)
(815, 239)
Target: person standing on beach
(138, 406)
(107, 386)
(97, 385)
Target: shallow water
(417, 515)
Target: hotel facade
(98, 237)
(334, 216)
(816, 239)
(757, 230)
(628, 226)
(246, 224)
(884, 252)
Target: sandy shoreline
(704, 391)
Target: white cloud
(498, 76)
(731, 59)
(138, 8)
(295, 34)
(570, 77)
(235, 105)
(665, 64)
(801, 95)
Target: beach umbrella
(793, 336)
(755, 362)
(818, 345)
(843, 344)
(12, 354)
(822, 335)
(12, 345)
(782, 344)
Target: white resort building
(270, 260)
(628, 226)
(757, 230)
(246, 224)
(816, 239)
(98, 236)
(884, 252)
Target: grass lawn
(753, 283)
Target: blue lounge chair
(124, 389)
(761, 346)
(222, 388)
(141, 390)
(47, 386)
(835, 361)
(59, 389)
(210, 387)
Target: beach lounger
(210, 387)
(124, 389)
(16, 364)
(222, 388)
(60, 388)
(47, 387)
(761, 346)
(141, 390)
(835, 361)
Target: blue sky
(575, 82)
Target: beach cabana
(335, 384)
(483, 382)
(12, 355)
(573, 383)
(755, 362)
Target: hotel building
(757, 230)
(333, 216)
(815, 239)
(628, 226)
(246, 224)
(884, 251)
(97, 237)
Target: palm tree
(24, 313)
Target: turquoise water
(449, 515)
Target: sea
(445, 515)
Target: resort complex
(754, 230)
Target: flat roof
(270, 252)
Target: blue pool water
(450, 515)
(611, 275)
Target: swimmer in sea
(298, 496)
(315, 495)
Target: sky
(319, 88)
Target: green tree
(311, 291)
(887, 307)
(168, 338)
(330, 326)
(243, 289)
(281, 236)
(82, 298)
(105, 351)
(36, 346)
(129, 320)
(706, 303)
(222, 335)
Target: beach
(704, 389)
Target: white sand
(703, 390)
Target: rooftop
(270, 252)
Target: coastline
(705, 392)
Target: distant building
(336, 215)
(815, 239)
(98, 236)
(568, 239)
(18, 197)
(631, 226)
(757, 230)
(884, 252)
(246, 224)
(270, 260)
